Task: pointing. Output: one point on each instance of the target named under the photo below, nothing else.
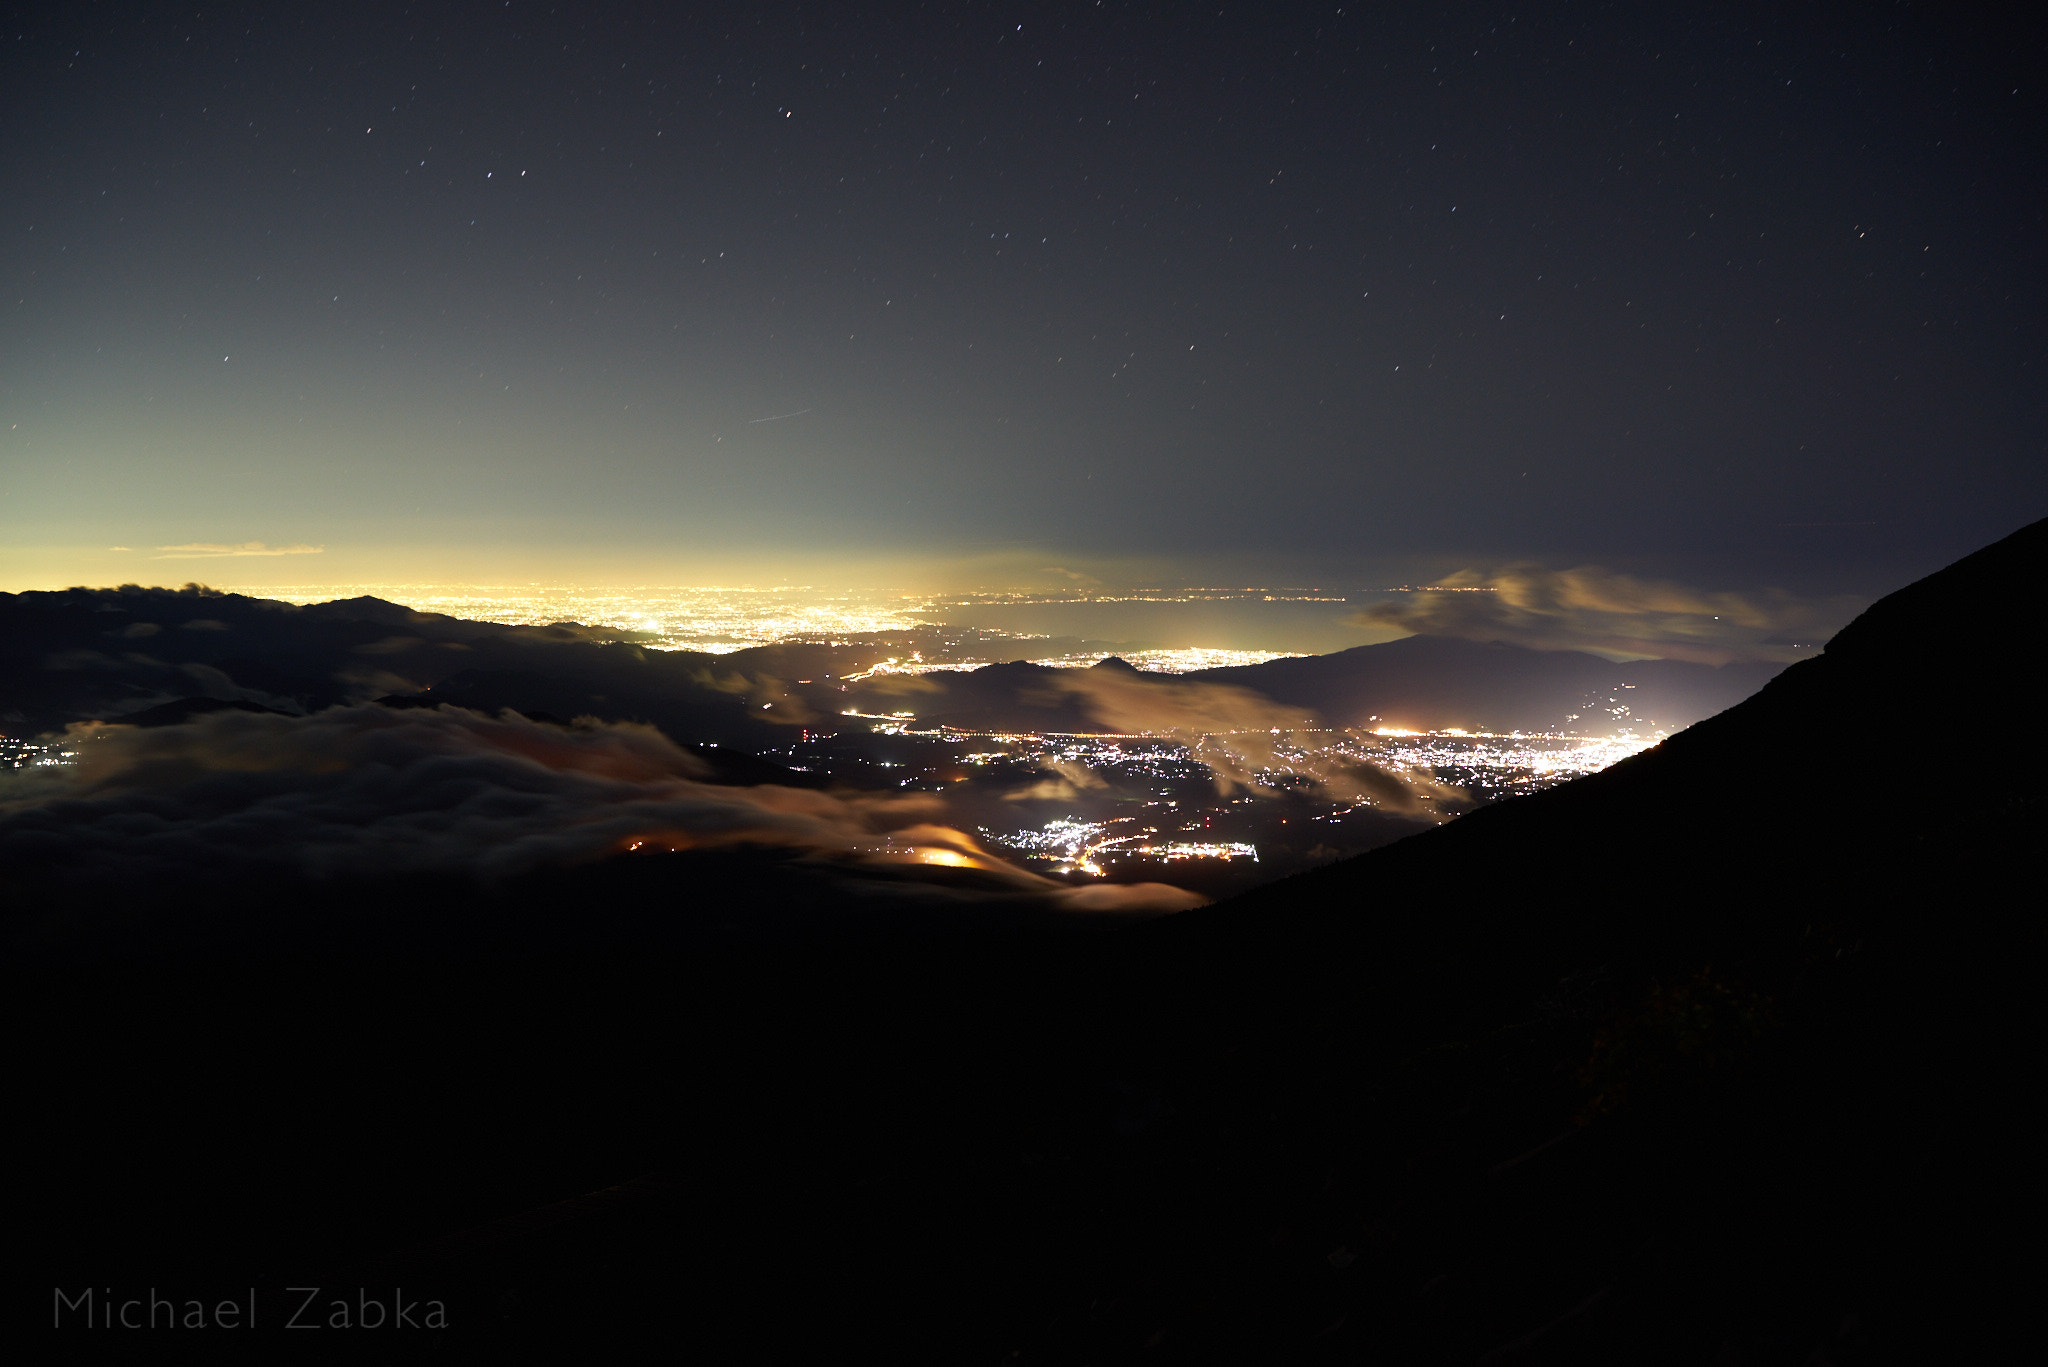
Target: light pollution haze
(1099, 298)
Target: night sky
(1329, 293)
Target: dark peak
(363, 600)
(369, 608)
(1117, 663)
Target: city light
(720, 619)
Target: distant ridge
(1431, 683)
(88, 653)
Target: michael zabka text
(299, 1307)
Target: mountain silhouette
(112, 654)
(1741, 1015)
(1725, 1054)
(1419, 683)
(1812, 787)
(109, 654)
(1721, 1055)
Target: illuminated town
(1084, 846)
(1214, 811)
(713, 619)
(720, 620)
(26, 754)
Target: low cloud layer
(1248, 740)
(1589, 608)
(366, 789)
(216, 550)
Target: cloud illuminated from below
(234, 795)
(215, 550)
(1589, 608)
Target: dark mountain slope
(1726, 1055)
(1722, 1056)
(1745, 1015)
(1821, 786)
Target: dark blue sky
(1338, 292)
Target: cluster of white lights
(22, 754)
(1517, 759)
(1076, 846)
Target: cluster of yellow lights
(720, 619)
(1196, 849)
(715, 619)
(1182, 661)
(1026, 597)
(1078, 846)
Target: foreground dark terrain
(1721, 1055)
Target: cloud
(951, 848)
(1142, 898)
(1050, 789)
(215, 683)
(1245, 738)
(160, 675)
(362, 788)
(1590, 608)
(1131, 701)
(214, 550)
